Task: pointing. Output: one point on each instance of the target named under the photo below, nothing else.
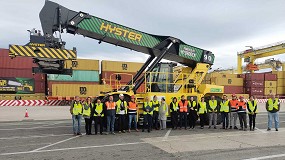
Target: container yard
(138, 80)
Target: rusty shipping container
(280, 82)
(83, 64)
(227, 81)
(254, 91)
(254, 76)
(270, 90)
(233, 89)
(254, 84)
(270, 84)
(117, 66)
(270, 77)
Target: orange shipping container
(117, 66)
(270, 90)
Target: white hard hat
(121, 95)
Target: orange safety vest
(243, 104)
(110, 106)
(183, 107)
(233, 103)
(132, 106)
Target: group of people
(155, 113)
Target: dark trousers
(183, 116)
(252, 120)
(122, 122)
(174, 119)
(242, 120)
(192, 118)
(155, 119)
(225, 119)
(88, 122)
(147, 119)
(98, 121)
(202, 119)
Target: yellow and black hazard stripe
(41, 52)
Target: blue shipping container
(77, 75)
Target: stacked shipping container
(280, 89)
(254, 84)
(270, 84)
(231, 83)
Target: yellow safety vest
(272, 105)
(225, 106)
(203, 108)
(194, 104)
(175, 106)
(164, 108)
(252, 106)
(87, 112)
(150, 105)
(155, 105)
(118, 103)
(99, 109)
(77, 109)
(213, 105)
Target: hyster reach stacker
(161, 79)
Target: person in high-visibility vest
(132, 112)
(122, 107)
(174, 112)
(273, 108)
(202, 111)
(98, 116)
(213, 109)
(147, 114)
(183, 109)
(87, 107)
(155, 104)
(252, 111)
(193, 115)
(225, 110)
(76, 110)
(111, 107)
(233, 114)
(163, 113)
(242, 113)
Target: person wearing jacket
(183, 109)
(242, 113)
(273, 108)
(252, 111)
(110, 107)
(202, 111)
(121, 111)
(233, 114)
(132, 112)
(213, 109)
(174, 112)
(98, 112)
(225, 110)
(87, 109)
(193, 115)
(147, 114)
(155, 104)
(76, 110)
(163, 113)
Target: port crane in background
(160, 79)
(252, 54)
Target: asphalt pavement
(54, 140)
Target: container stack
(280, 91)
(16, 75)
(232, 84)
(270, 84)
(254, 84)
(125, 69)
(84, 78)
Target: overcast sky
(221, 26)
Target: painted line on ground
(267, 157)
(167, 134)
(55, 143)
(36, 136)
(32, 144)
(262, 131)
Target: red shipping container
(254, 84)
(125, 77)
(270, 77)
(4, 52)
(254, 91)
(21, 73)
(254, 76)
(39, 87)
(233, 90)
